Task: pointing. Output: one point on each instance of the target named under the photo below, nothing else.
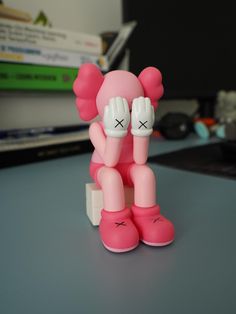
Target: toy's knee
(143, 174)
(109, 177)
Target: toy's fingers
(142, 104)
(112, 105)
(119, 105)
(138, 105)
(152, 114)
(148, 105)
(125, 106)
(135, 102)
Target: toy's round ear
(151, 80)
(86, 87)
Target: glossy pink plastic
(119, 156)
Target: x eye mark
(143, 124)
(119, 123)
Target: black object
(213, 159)
(186, 41)
(36, 154)
(175, 126)
(32, 132)
(228, 149)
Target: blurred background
(47, 108)
(43, 44)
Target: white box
(94, 201)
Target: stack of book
(19, 147)
(36, 60)
(33, 57)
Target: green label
(35, 77)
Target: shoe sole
(157, 244)
(114, 250)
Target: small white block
(94, 201)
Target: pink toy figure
(121, 150)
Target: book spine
(44, 56)
(120, 41)
(24, 156)
(31, 77)
(117, 46)
(17, 33)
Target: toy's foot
(118, 233)
(154, 229)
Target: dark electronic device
(175, 126)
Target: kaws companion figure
(125, 104)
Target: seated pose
(126, 106)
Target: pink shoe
(117, 231)
(154, 229)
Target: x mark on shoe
(122, 223)
(157, 219)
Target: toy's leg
(112, 187)
(154, 229)
(118, 233)
(144, 185)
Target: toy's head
(93, 89)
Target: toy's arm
(109, 148)
(116, 120)
(142, 122)
(140, 150)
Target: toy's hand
(116, 117)
(142, 117)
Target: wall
(89, 16)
